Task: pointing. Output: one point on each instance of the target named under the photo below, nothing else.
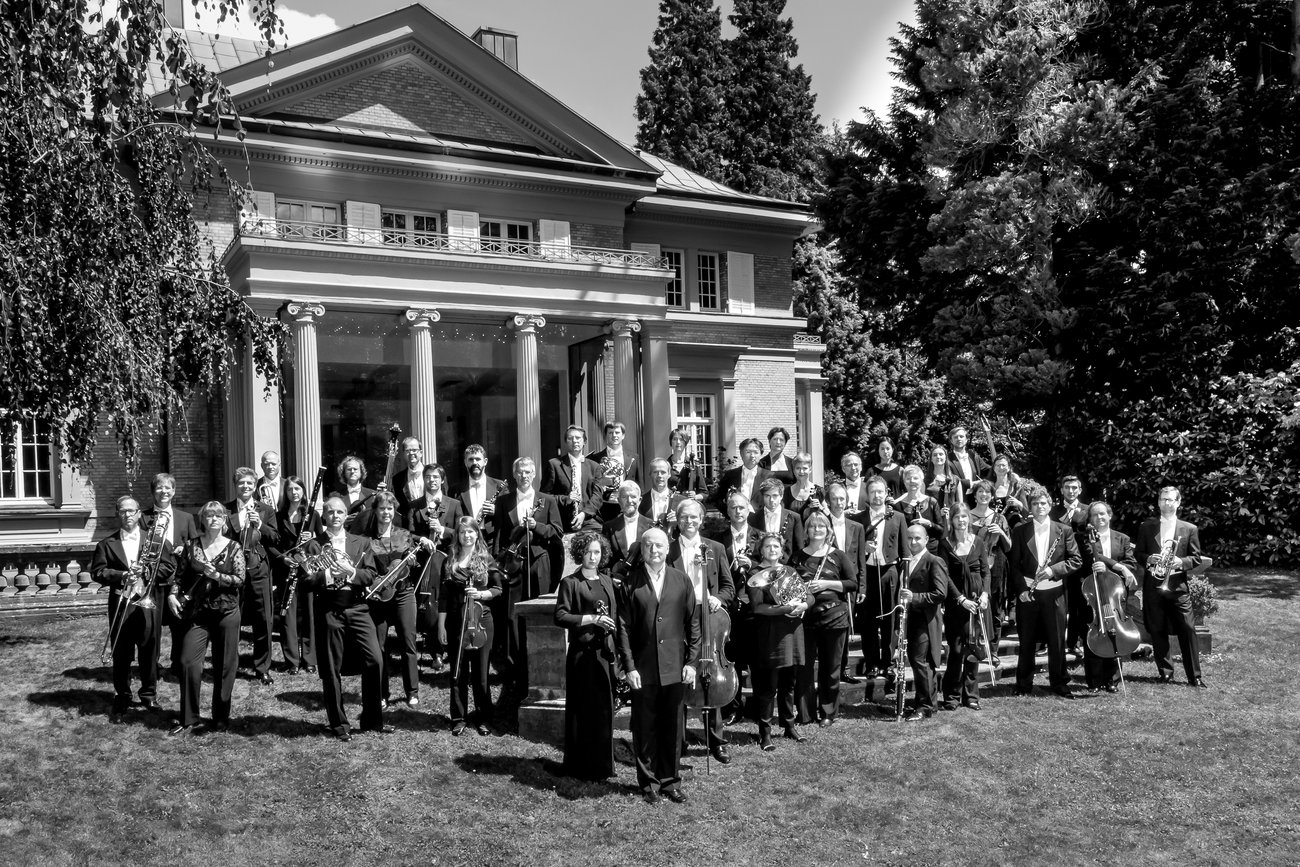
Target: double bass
(1111, 634)
(716, 684)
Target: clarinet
(296, 569)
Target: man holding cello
(1106, 554)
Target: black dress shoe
(485, 730)
(181, 730)
(721, 754)
(343, 733)
(793, 734)
(849, 678)
(1165, 677)
(381, 729)
(266, 679)
(971, 704)
(918, 715)
(826, 722)
(1199, 684)
(309, 669)
(1062, 692)
(458, 728)
(765, 742)
(676, 795)
(151, 704)
(650, 797)
(948, 704)
(1110, 687)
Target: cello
(1111, 634)
(716, 683)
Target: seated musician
(1167, 605)
(624, 532)
(687, 475)
(773, 518)
(659, 502)
(1114, 552)
(924, 588)
(746, 478)
(575, 481)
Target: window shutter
(740, 282)
(462, 231)
(259, 214)
(653, 252)
(363, 222)
(554, 235)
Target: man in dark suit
(1073, 512)
(343, 619)
(181, 528)
(433, 514)
(740, 547)
(705, 562)
(609, 459)
(272, 480)
(968, 466)
(850, 537)
(774, 518)
(1167, 605)
(659, 502)
(855, 486)
(575, 482)
(624, 532)
(478, 497)
(1043, 556)
(884, 540)
(133, 630)
(252, 523)
(747, 478)
(355, 496)
(1112, 552)
(527, 525)
(659, 644)
(925, 585)
(408, 482)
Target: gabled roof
(677, 180)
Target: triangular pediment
(413, 73)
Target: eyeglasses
(128, 511)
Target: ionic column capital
(526, 323)
(305, 311)
(623, 327)
(422, 316)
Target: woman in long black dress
(778, 644)
(967, 560)
(394, 603)
(887, 469)
(918, 508)
(294, 518)
(775, 459)
(832, 580)
(804, 497)
(469, 574)
(993, 530)
(586, 605)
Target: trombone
(138, 585)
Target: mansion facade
(456, 252)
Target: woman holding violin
(470, 580)
(207, 594)
(297, 524)
(779, 646)
(686, 475)
(587, 606)
(392, 598)
(964, 629)
(832, 580)
(990, 527)
(803, 497)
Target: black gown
(590, 672)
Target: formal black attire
(358, 503)
(625, 556)
(1170, 611)
(998, 550)
(740, 647)
(405, 494)
(138, 630)
(213, 618)
(884, 538)
(342, 617)
(657, 636)
(826, 633)
(790, 528)
(857, 501)
(1079, 615)
(893, 480)
(662, 509)
(779, 650)
(927, 578)
(181, 528)
(734, 478)
(492, 488)
(927, 507)
(446, 509)
(276, 489)
(978, 465)
(468, 666)
(609, 508)
(295, 615)
(394, 605)
(716, 581)
(527, 576)
(785, 473)
(1043, 617)
(813, 501)
(1100, 671)
(259, 608)
(968, 577)
(557, 480)
(687, 476)
(591, 671)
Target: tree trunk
(1295, 44)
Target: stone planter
(1204, 639)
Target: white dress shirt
(575, 470)
(747, 481)
(1104, 538)
(131, 545)
(657, 583)
(772, 521)
(629, 532)
(1168, 526)
(837, 530)
(171, 523)
(690, 549)
(878, 536)
(1042, 534)
(524, 505)
(963, 460)
(477, 494)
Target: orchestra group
(916, 560)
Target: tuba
(782, 582)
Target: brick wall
(772, 283)
(409, 98)
(765, 398)
(592, 235)
(732, 329)
(215, 217)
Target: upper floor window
(28, 473)
(311, 220)
(676, 289)
(505, 236)
(707, 281)
(409, 227)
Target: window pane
(675, 296)
(707, 274)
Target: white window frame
(327, 231)
(501, 243)
(688, 418)
(700, 268)
(28, 436)
(680, 282)
(407, 235)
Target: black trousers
(774, 686)
(960, 675)
(818, 679)
(139, 632)
(353, 626)
(1043, 619)
(878, 633)
(657, 720)
(1164, 614)
(469, 668)
(1098, 670)
(924, 680)
(222, 631)
(259, 614)
(1079, 614)
(400, 613)
(298, 629)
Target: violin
(716, 684)
(1111, 634)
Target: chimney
(501, 43)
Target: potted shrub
(1205, 603)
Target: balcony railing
(437, 242)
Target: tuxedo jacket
(786, 475)
(717, 571)
(977, 464)
(731, 479)
(854, 545)
(1122, 552)
(669, 518)
(894, 539)
(357, 549)
(657, 636)
(1022, 562)
(184, 525)
(446, 508)
(289, 532)
(277, 486)
(402, 493)
(256, 556)
(108, 566)
(858, 503)
(623, 558)
(631, 469)
(748, 544)
(509, 531)
(487, 528)
(1078, 521)
(358, 510)
(1188, 552)
(929, 585)
(791, 530)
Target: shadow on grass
(545, 775)
(1261, 584)
(257, 725)
(101, 673)
(16, 640)
(91, 703)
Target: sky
(589, 53)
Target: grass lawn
(1161, 775)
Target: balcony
(446, 244)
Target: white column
(727, 420)
(306, 387)
(815, 428)
(625, 405)
(528, 396)
(657, 399)
(263, 417)
(424, 415)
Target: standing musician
(211, 586)
(773, 518)
(271, 479)
(833, 581)
(887, 469)
(779, 646)
(575, 482)
(967, 561)
(705, 562)
(342, 616)
(775, 461)
(252, 522)
(939, 477)
(919, 508)
(394, 603)
(298, 523)
(408, 482)
(688, 477)
(659, 502)
(180, 529)
(609, 460)
(134, 629)
(1043, 555)
(478, 497)
(804, 497)
(850, 537)
(884, 534)
(658, 636)
(1074, 514)
(586, 604)
(991, 528)
(469, 575)
(747, 478)
(355, 496)
(925, 586)
(855, 484)
(433, 514)
(624, 532)
(1008, 490)
(965, 464)
(740, 548)
(1167, 605)
(1113, 552)
(528, 524)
